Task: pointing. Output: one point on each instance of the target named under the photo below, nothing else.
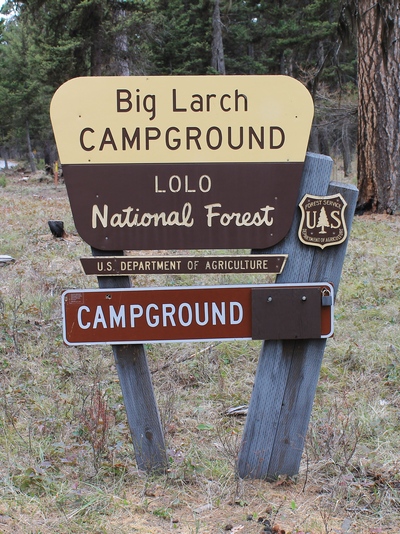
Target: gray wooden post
(137, 390)
(288, 371)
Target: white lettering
(97, 214)
(157, 190)
(153, 320)
(185, 306)
(178, 186)
(197, 314)
(216, 312)
(130, 219)
(135, 311)
(239, 309)
(99, 318)
(117, 319)
(81, 325)
(239, 219)
(168, 311)
(167, 315)
(205, 188)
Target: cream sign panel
(181, 119)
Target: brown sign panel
(122, 316)
(183, 206)
(133, 265)
(322, 220)
(301, 304)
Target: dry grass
(59, 475)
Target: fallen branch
(184, 358)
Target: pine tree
(323, 221)
(183, 44)
(379, 106)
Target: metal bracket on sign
(293, 312)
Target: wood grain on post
(137, 390)
(288, 371)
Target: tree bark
(346, 148)
(121, 47)
(217, 48)
(378, 105)
(5, 159)
(96, 60)
(31, 157)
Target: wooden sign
(194, 162)
(121, 316)
(133, 265)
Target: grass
(66, 457)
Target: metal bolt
(269, 299)
(303, 298)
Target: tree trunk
(96, 47)
(217, 47)
(5, 159)
(31, 157)
(121, 47)
(378, 106)
(346, 149)
(96, 60)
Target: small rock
(228, 527)
(57, 228)
(6, 260)
(203, 508)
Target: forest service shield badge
(322, 220)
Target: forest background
(43, 44)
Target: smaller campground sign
(121, 316)
(192, 162)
